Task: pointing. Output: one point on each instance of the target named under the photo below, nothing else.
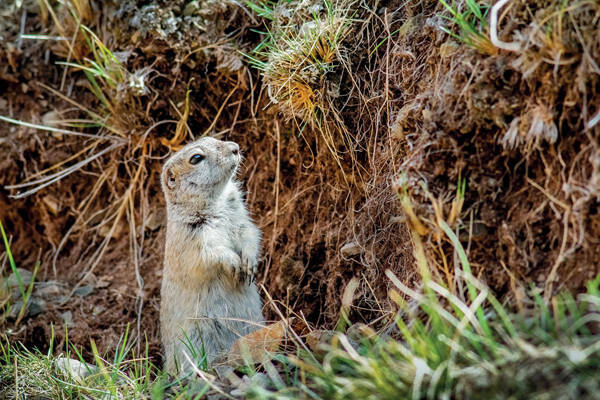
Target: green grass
(471, 20)
(120, 374)
(300, 58)
(24, 291)
(295, 58)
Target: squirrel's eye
(196, 158)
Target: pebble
(74, 368)
(26, 278)
(51, 119)
(85, 290)
(351, 249)
(67, 317)
(97, 310)
(48, 290)
(34, 306)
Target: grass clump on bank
(302, 58)
(299, 49)
(471, 20)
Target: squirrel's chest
(191, 253)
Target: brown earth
(406, 104)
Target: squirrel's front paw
(232, 265)
(249, 268)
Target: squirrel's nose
(235, 149)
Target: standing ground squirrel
(208, 296)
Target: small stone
(36, 306)
(15, 293)
(15, 309)
(99, 309)
(75, 369)
(3, 103)
(101, 284)
(26, 278)
(51, 119)
(67, 317)
(48, 290)
(84, 291)
(51, 204)
(351, 249)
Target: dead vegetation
(332, 101)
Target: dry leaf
(256, 345)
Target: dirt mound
(518, 128)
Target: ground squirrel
(208, 295)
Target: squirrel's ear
(170, 179)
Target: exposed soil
(421, 111)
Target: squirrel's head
(198, 173)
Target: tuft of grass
(300, 60)
(295, 59)
(25, 291)
(471, 19)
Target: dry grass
(301, 59)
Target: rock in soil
(67, 317)
(74, 368)
(351, 249)
(50, 290)
(34, 306)
(26, 278)
(83, 291)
